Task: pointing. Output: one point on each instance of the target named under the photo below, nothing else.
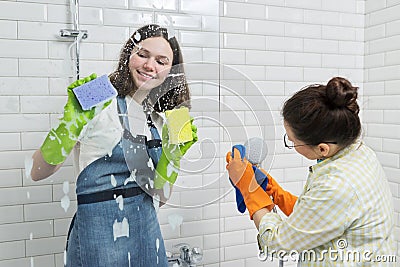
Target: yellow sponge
(179, 126)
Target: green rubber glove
(169, 163)
(62, 139)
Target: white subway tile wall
(382, 91)
(268, 48)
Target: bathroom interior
(243, 59)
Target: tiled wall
(268, 50)
(283, 45)
(382, 91)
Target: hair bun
(341, 94)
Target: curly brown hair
(173, 92)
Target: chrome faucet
(187, 256)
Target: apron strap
(153, 128)
(122, 112)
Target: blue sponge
(95, 92)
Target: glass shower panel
(190, 220)
(246, 119)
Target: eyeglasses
(287, 142)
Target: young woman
(344, 216)
(117, 153)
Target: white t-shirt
(102, 134)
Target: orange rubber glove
(242, 175)
(282, 198)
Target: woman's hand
(242, 175)
(174, 152)
(169, 163)
(61, 140)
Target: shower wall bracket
(77, 35)
(73, 33)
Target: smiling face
(150, 63)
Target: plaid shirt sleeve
(320, 214)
